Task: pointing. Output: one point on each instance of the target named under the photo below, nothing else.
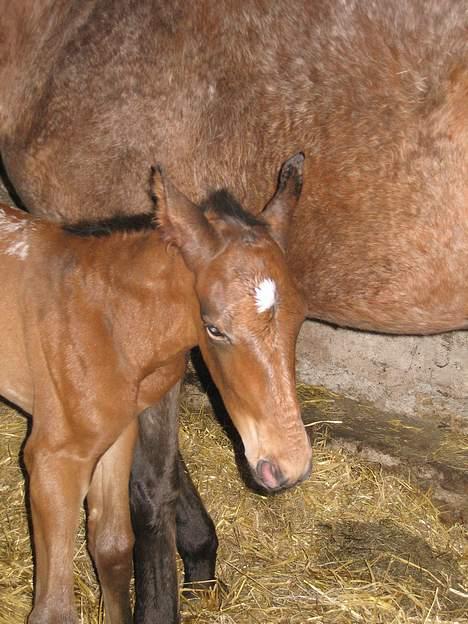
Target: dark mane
(227, 207)
(106, 227)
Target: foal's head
(249, 316)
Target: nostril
(269, 474)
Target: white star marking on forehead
(265, 295)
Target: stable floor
(358, 542)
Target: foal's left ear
(181, 222)
(277, 213)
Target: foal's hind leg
(110, 535)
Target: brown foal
(96, 326)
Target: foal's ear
(277, 213)
(181, 222)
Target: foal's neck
(145, 290)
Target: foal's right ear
(278, 212)
(181, 222)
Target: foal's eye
(214, 332)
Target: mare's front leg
(110, 535)
(153, 488)
(196, 534)
(154, 491)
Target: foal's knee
(112, 550)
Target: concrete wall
(411, 375)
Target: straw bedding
(352, 544)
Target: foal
(96, 325)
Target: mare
(375, 94)
(96, 322)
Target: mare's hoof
(209, 592)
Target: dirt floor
(432, 451)
(360, 541)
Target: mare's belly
(386, 281)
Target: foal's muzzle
(269, 475)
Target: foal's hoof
(47, 616)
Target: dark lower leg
(196, 535)
(154, 491)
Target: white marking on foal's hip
(19, 248)
(265, 295)
(15, 228)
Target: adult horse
(221, 92)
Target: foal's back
(59, 289)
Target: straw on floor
(352, 544)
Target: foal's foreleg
(110, 535)
(58, 480)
